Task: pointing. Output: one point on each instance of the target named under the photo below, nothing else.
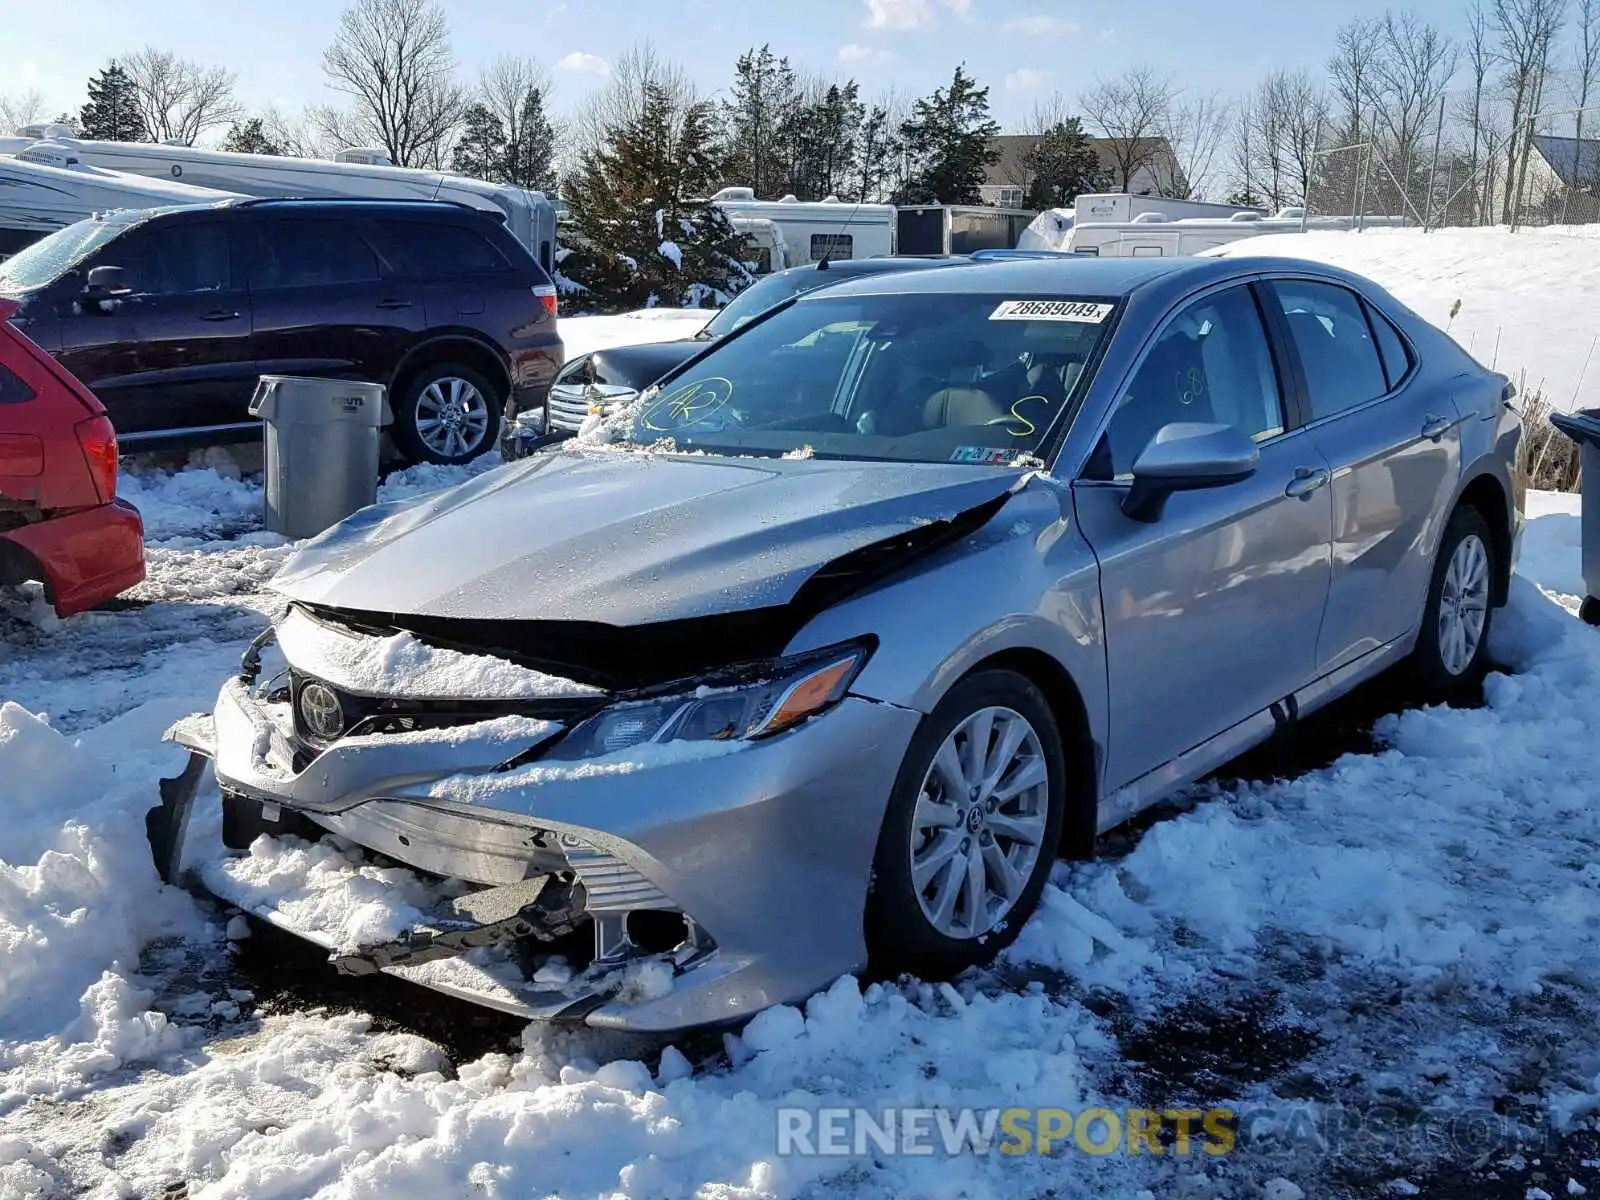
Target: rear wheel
(1452, 651)
(970, 831)
(447, 413)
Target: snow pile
(401, 665)
(326, 888)
(78, 896)
(1527, 298)
(192, 505)
(584, 335)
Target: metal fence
(1533, 176)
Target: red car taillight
(547, 297)
(99, 442)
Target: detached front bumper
(765, 849)
(87, 557)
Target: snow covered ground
(580, 335)
(1419, 927)
(1527, 298)
(1389, 966)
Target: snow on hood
(625, 538)
(402, 666)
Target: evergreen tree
(248, 137)
(825, 142)
(641, 240)
(529, 159)
(481, 152)
(948, 139)
(876, 152)
(760, 123)
(1063, 165)
(112, 114)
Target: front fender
(1027, 581)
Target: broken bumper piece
(700, 887)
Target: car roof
(1034, 276)
(343, 204)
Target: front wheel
(970, 831)
(1452, 652)
(447, 413)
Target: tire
(902, 934)
(1589, 611)
(436, 393)
(1446, 666)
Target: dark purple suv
(169, 315)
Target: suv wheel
(1452, 651)
(447, 413)
(971, 829)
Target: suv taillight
(99, 442)
(547, 297)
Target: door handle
(394, 304)
(1306, 481)
(1434, 428)
(220, 315)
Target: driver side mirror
(1187, 457)
(105, 284)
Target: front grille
(572, 403)
(569, 407)
(369, 715)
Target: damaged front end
(661, 820)
(580, 857)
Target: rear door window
(1392, 348)
(313, 251)
(12, 389)
(1330, 333)
(178, 259)
(433, 249)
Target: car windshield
(47, 260)
(758, 297)
(912, 377)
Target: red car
(60, 519)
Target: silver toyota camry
(817, 656)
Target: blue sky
(1022, 48)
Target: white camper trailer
(809, 231)
(44, 187)
(1153, 235)
(364, 173)
(1052, 228)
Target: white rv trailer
(529, 216)
(44, 187)
(1051, 228)
(1153, 235)
(809, 231)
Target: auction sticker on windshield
(1082, 312)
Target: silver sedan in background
(818, 655)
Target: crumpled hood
(625, 538)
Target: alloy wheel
(1463, 604)
(452, 417)
(979, 823)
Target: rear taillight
(99, 442)
(547, 297)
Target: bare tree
(1471, 109)
(394, 57)
(1409, 75)
(504, 88)
(1586, 75)
(20, 108)
(179, 99)
(1130, 113)
(296, 136)
(1524, 31)
(1357, 46)
(621, 100)
(1196, 128)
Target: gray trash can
(322, 449)
(1583, 427)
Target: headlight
(795, 690)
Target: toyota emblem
(321, 711)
